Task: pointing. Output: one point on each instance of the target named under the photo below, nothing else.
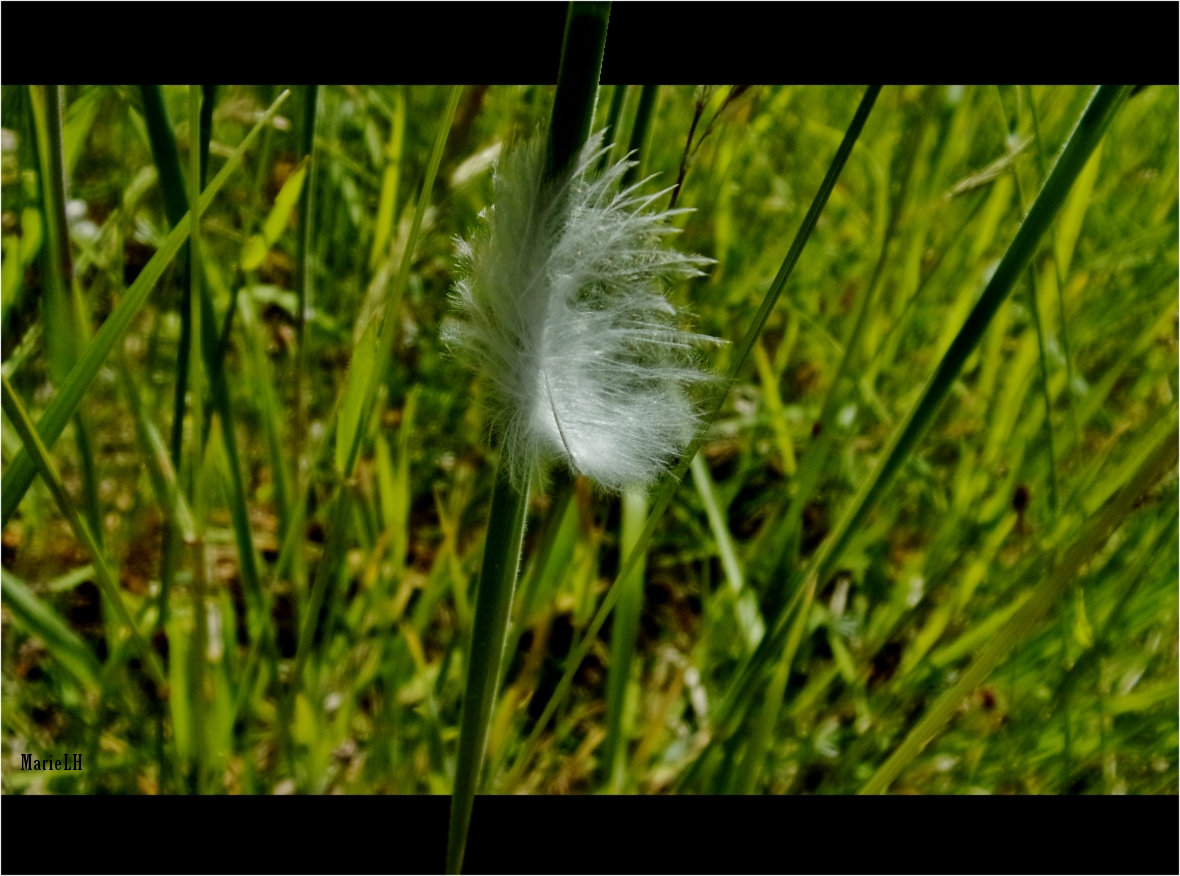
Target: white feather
(562, 310)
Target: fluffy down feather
(561, 308)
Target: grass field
(267, 459)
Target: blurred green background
(925, 207)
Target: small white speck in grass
(917, 588)
(847, 415)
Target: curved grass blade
(668, 488)
(22, 469)
(574, 101)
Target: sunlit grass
(827, 586)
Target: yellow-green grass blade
(1044, 596)
(42, 621)
(255, 249)
(107, 580)
(200, 331)
(61, 408)
(663, 495)
(303, 288)
(390, 178)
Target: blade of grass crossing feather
(573, 113)
(42, 621)
(664, 494)
(547, 561)
(61, 408)
(1086, 135)
(1045, 595)
(107, 580)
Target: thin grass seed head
(561, 308)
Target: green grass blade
(1046, 594)
(641, 133)
(303, 275)
(668, 488)
(614, 113)
(61, 408)
(201, 329)
(497, 580)
(107, 580)
(360, 375)
(42, 621)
